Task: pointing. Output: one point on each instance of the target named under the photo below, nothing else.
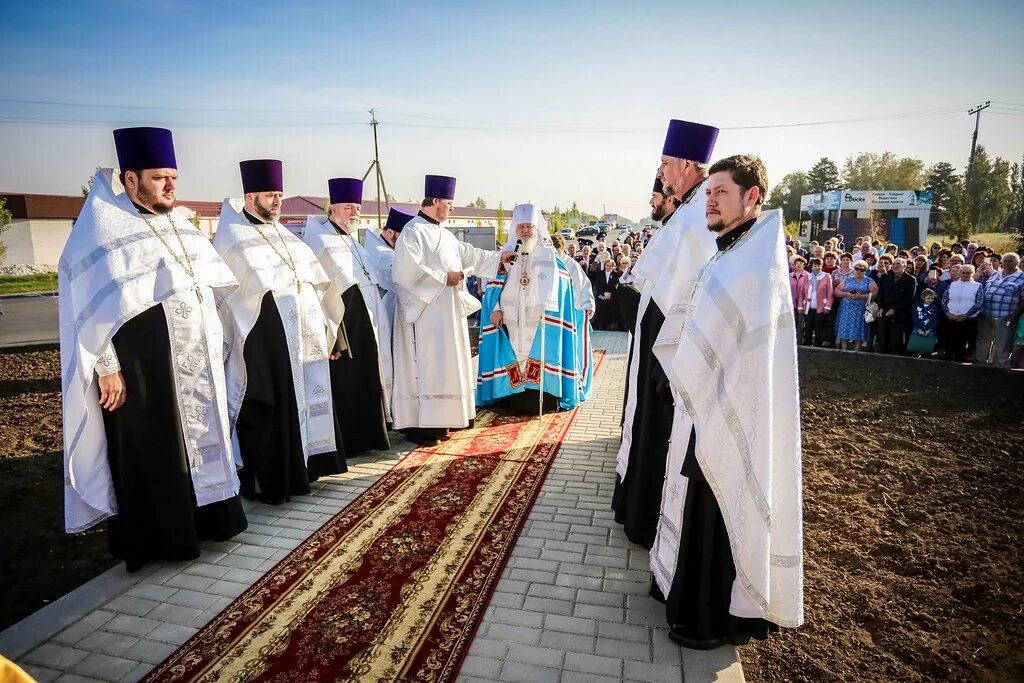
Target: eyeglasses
(861, 270)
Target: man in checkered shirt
(1003, 293)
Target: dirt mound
(913, 532)
(38, 561)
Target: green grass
(1002, 242)
(21, 284)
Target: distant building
(614, 219)
(41, 224)
(901, 217)
(476, 226)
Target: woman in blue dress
(854, 292)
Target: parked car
(586, 237)
(568, 233)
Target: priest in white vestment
(282, 329)
(434, 379)
(728, 558)
(381, 248)
(147, 442)
(648, 414)
(361, 377)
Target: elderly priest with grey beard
(361, 377)
(282, 330)
(147, 442)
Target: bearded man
(668, 263)
(433, 366)
(282, 330)
(361, 377)
(147, 440)
(728, 557)
(532, 344)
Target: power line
(467, 124)
(976, 113)
(178, 124)
(249, 110)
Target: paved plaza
(572, 604)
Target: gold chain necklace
(353, 249)
(183, 260)
(355, 252)
(290, 262)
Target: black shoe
(696, 643)
(424, 436)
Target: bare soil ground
(914, 539)
(913, 529)
(38, 561)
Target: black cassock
(697, 606)
(158, 518)
(356, 381)
(627, 298)
(268, 424)
(637, 498)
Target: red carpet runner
(394, 586)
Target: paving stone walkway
(572, 604)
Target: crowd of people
(608, 267)
(962, 303)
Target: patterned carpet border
(393, 587)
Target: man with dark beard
(627, 298)
(728, 557)
(361, 377)
(150, 451)
(667, 264)
(283, 329)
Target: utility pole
(375, 164)
(976, 113)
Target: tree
(786, 194)
(943, 181)
(957, 219)
(499, 217)
(886, 171)
(824, 177)
(88, 184)
(478, 203)
(196, 220)
(1016, 220)
(5, 222)
(989, 194)
(556, 221)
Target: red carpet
(394, 586)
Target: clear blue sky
(546, 102)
